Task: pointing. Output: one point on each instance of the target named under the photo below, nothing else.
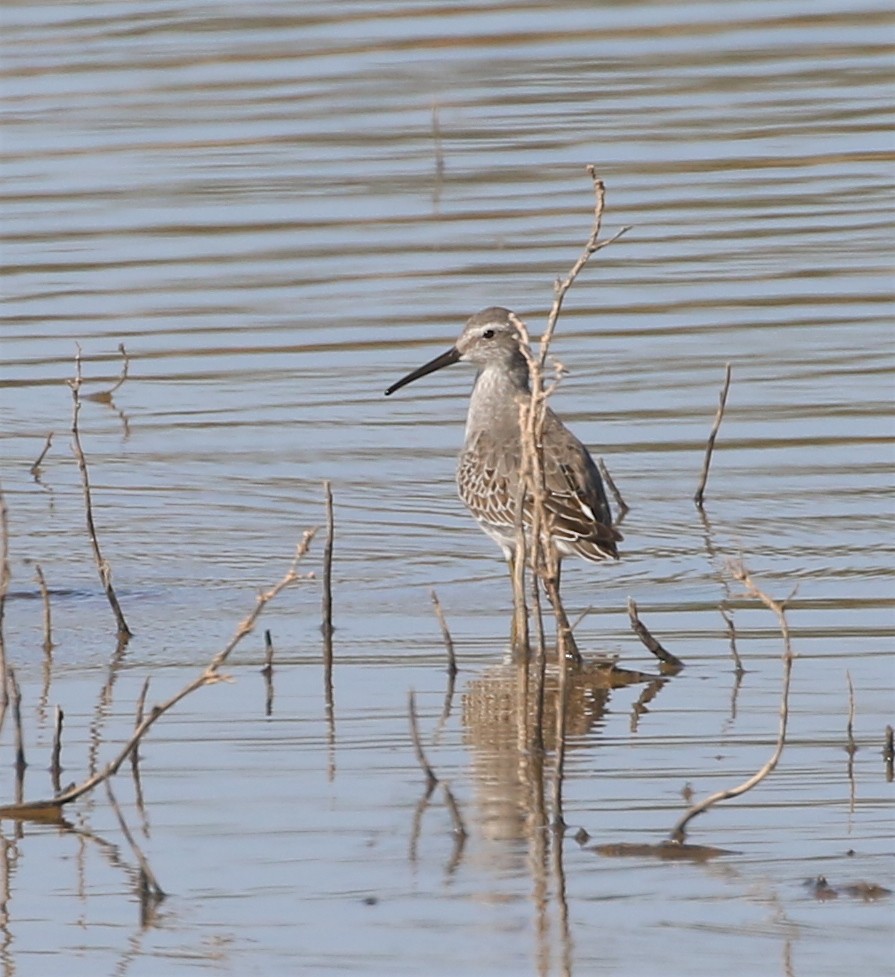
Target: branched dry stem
(105, 396)
(542, 556)
(102, 566)
(534, 548)
(698, 498)
(593, 245)
(738, 571)
(209, 676)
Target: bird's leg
(519, 628)
(565, 639)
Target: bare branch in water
(593, 245)
(655, 648)
(851, 747)
(327, 626)
(678, 832)
(732, 635)
(105, 396)
(35, 468)
(446, 635)
(623, 507)
(102, 566)
(209, 676)
(710, 444)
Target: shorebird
(579, 518)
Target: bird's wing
(579, 513)
(576, 498)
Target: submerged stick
(889, 753)
(327, 625)
(35, 468)
(210, 675)
(678, 832)
(850, 748)
(642, 632)
(446, 635)
(105, 396)
(267, 672)
(710, 444)
(451, 667)
(105, 570)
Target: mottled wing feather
(579, 512)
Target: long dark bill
(451, 356)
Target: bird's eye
(488, 334)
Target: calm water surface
(279, 210)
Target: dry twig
(543, 557)
(446, 635)
(889, 753)
(210, 675)
(732, 635)
(678, 832)
(642, 632)
(710, 444)
(105, 396)
(105, 570)
(851, 747)
(35, 468)
(593, 245)
(327, 626)
(623, 507)
(267, 672)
